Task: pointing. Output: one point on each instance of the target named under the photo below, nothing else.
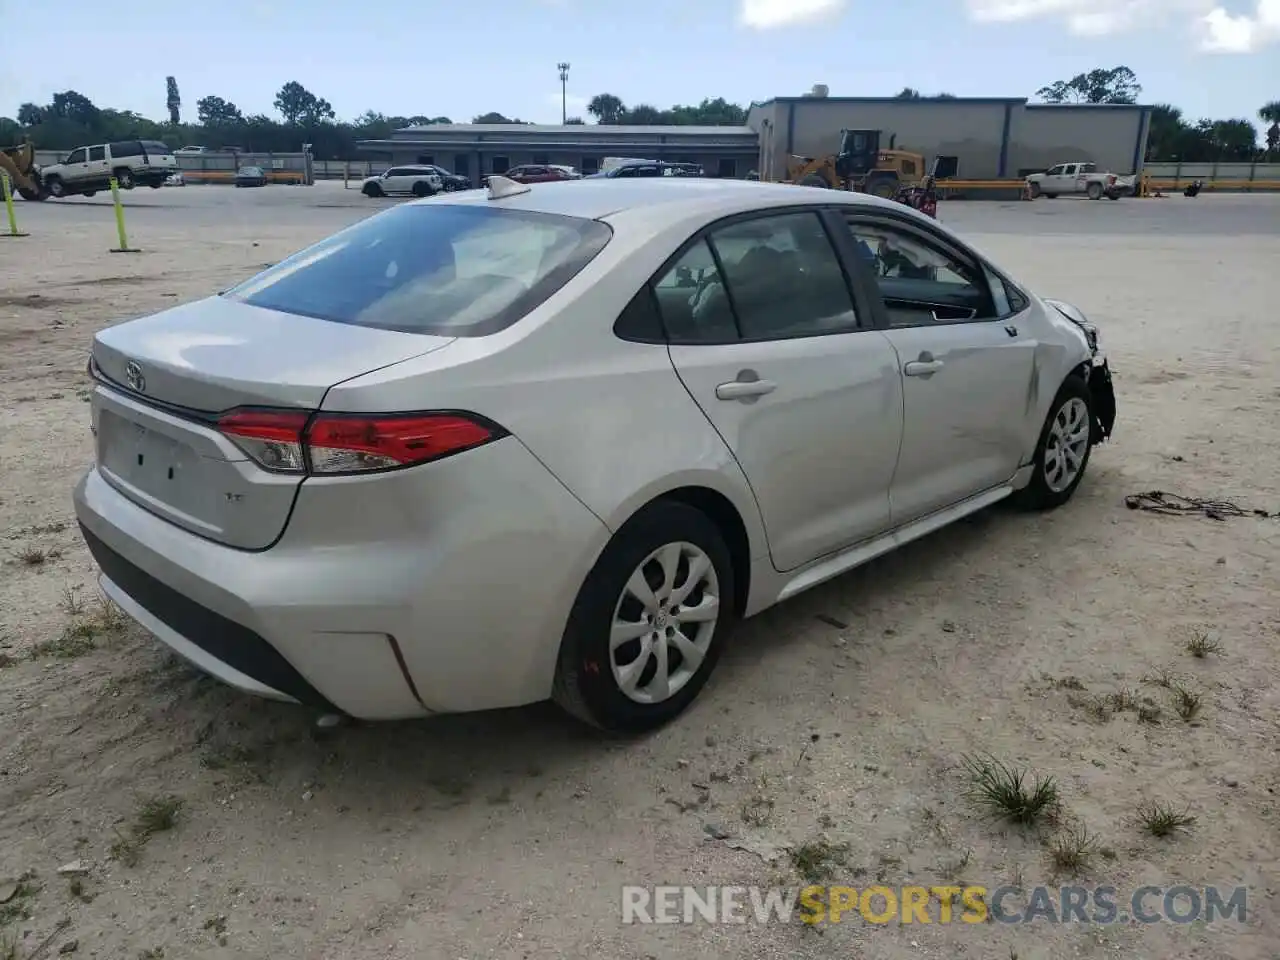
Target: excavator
(862, 166)
(20, 164)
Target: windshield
(251, 171)
(446, 269)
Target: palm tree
(606, 108)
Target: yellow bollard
(124, 240)
(346, 174)
(7, 189)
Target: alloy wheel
(663, 623)
(1067, 444)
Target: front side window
(920, 282)
(1055, 171)
(449, 270)
(76, 156)
(784, 277)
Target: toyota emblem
(133, 376)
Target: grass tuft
(1162, 820)
(1201, 645)
(1009, 793)
(1072, 851)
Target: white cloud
(770, 14)
(1218, 29)
(1241, 33)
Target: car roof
(674, 197)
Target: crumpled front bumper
(1104, 399)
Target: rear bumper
(443, 588)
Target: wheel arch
(720, 510)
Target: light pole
(564, 95)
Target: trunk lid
(172, 373)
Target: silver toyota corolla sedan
(554, 440)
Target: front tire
(649, 622)
(124, 179)
(1062, 455)
(55, 187)
(1035, 191)
(372, 190)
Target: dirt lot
(210, 825)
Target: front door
(76, 166)
(967, 367)
(766, 338)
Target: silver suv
(86, 170)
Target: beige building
(992, 138)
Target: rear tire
(617, 686)
(422, 189)
(1094, 191)
(89, 193)
(1062, 455)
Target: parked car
(1079, 178)
(191, 151)
(251, 177)
(541, 173)
(86, 170)
(449, 181)
(417, 181)
(175, 180)
(493, 471)
(648, 168)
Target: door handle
(747, 388)
(922, 368)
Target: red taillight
(332, 444)
(273, 438)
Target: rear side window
(784, 277)
(450, 270)
(97, 153)
(155, 146)
(126, 148)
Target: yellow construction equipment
(861, 165)
(20, 164)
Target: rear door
(765, 335)
(966, 358)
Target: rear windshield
(444, 269)
(154, 146)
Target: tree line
(1172, 136)
(71, 119)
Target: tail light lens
(286, 441)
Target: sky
(1216, 58)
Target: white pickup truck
(1083, 178)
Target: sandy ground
(838, 718)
